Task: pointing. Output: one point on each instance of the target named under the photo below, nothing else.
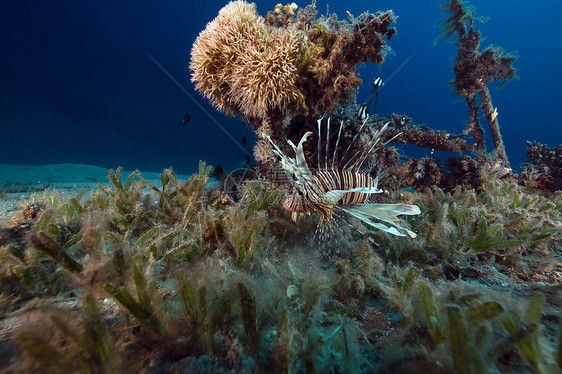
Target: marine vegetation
(174, 277)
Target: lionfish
(339, 185)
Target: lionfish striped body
(322, 182)
(339, 185)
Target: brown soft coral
(544, 169)
(216, 52)
(284, 66)
(265, 77)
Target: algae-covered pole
(492, 118)
(474, 70)
(474, 124)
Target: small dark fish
(377, 84)
(247, 159)
(363, 112)
(243, 140)
(403, 120)
(218, 172)
(186, 119)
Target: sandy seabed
(20, 183)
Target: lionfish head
(293, 199)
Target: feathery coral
(286, 64)
(265, 77)
(216, 51)
(242, 66)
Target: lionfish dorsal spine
(370, 147)
(318, 152)
(349, 164)
(302, 166)
(289, 164)
(327, 144)
(335, 158)
(285, 161)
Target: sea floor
(260, 293)
(20, 183)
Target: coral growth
(286, 65)
(462, 171)
(544, 168)
(401, 130)
(427, 172)
(419, 174)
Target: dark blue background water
(76, 84)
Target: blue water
(76, 84)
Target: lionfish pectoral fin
(333, 196)
(325, 229)
(411, 233)
(377, 225)
(390, 212)
(384, 212)
(391, 230)
(407, 209)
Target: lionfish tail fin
(387, 213)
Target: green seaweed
(26, 274)
(97, 331)
(189, 300)
(45, 244)
(559, 350)
(465, 356)
(405, 285)
(79, 343)
(3, 195)
(501, 217)
(142, 310)
(482, 312)
(258, 196)
(431, 313)
(249, 312)
(205, 278)
(38, 349)
(528, 345)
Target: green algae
(172, 267)
(47, 245)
